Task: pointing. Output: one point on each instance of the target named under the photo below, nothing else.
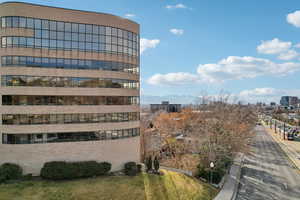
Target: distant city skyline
(249, 49)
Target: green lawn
(171, 186)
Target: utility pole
(284, 130)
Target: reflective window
(94, 38)
(27, 138)
(67, 100)
(28, 61)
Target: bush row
(60, 170)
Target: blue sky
(250, 49)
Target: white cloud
(177, 31)
(294, 18)
(179, 5)
(178, 78)
(266, 94)
(274, 46)
(234, 67)
(288, 55)
(259, 92)
(130, 15)
(297, 45)
(230, 68)
(147, 44)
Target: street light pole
(212, 165)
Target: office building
(165, 106)
(69, 86)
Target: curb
(230, 187)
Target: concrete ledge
(230, 187)
(181, 171)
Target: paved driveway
(267, 173)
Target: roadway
(267, 173)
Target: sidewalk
(230, 187)
(291, 148)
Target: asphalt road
(267, 173)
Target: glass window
(68, 27)
(102, 30)
(88, 38)
(37, 42)
(95, 29)
(37, 24)
(22, 41)
(102, 39)
(81, 37)
(15, 22)
(81, 28)
(88, 28)
(108, 39)
(3, 22)
(74, 27)
(68, 36)
(30, 23)
(52, 44)
(60, 35)
(95, 38)
(52, 35)
(114, 32)
(60, 44)
(4, 42)
(45, 34)
(15, 41)
(8, 21)
(30, 42)
(120, 33)
(53, 25)
(88, 46)
(67, 45)
(38, 33)
(60, 26)
(75, 36)
(22, 22)
(45, 24)
(108, 30)
(45, 43)
(74, 45)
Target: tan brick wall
(32, 157)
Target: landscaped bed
(171, 186)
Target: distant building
(289, 101)
(165, 106)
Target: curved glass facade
(64, 63)
(31, 119)
(58, 81)
(71, 36)
(34, 100)
(35, 138)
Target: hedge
(61, 170)
(131, 169)
(10, 171)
